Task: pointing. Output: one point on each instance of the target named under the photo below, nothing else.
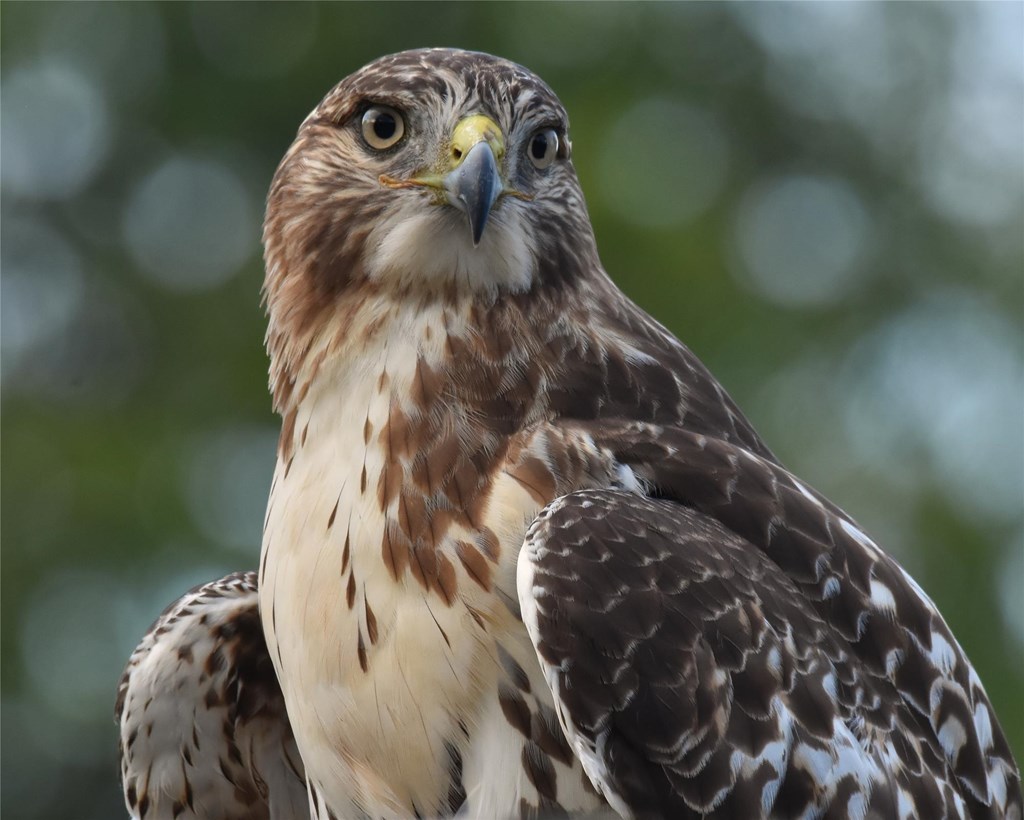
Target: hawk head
(434, 173)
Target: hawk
(522, 553)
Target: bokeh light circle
(189, 225)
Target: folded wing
(203, 728)
(731, 645)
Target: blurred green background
(825, 201)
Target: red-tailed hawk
(522, 553)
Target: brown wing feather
(891, 627)
(694, 678)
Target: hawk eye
(382, 127)
(543, 148)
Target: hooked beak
(472, 181)
(474, 186)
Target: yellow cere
(473, 129)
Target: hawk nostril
(457, 153)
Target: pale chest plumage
(400, 665)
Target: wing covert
(695, 675)
(891, 628)
(688, 678)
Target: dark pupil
(384, 126)
(539, 146)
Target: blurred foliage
(823, 200)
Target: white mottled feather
(187, 749)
